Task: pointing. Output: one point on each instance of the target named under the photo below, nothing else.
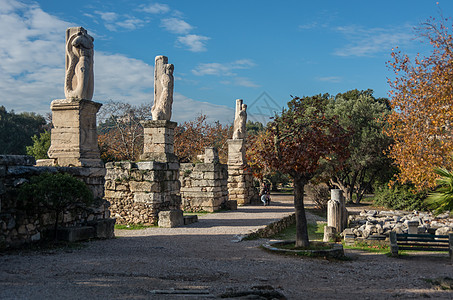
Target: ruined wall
(139, 191)
(17, 227)
(204, 186)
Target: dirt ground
(204, 260)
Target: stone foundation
(204, 186)
(240, 179)
(139, 191)
(18, 227)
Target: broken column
(337, 215)
(240, 180)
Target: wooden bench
(421, 242)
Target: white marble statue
(79, 80)
(240, 119)
(163, 89)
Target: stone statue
(163, 89)
(79, 81)
(239, 120)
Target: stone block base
(171, 218)
(76, 234)
(104, 229)
(231, 205)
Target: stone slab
(75, 234)
(171, 218)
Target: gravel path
(203, 260)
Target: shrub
(319, 193)
(400, 196)
(40, 145)
(58, 193)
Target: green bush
(401, 197)
(58, 193)
(40, 145)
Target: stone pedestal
(73, 137)
(240, 180)
(158, 140)
(236, 152)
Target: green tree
(296, 143)
(58, 193)
(364, 117)
(16, 130)
(254, 127)
(40, 145)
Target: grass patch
(132, 226)
(315, 232)
(369, 246)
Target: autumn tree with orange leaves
(297, 143)
(422, 102)
(121, 134)
(192, 137)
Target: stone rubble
(374, 224)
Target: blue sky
(260, 51)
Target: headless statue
(163, 89)
(79, 81)
(240, 120)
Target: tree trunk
(344, 187)
(301, 219)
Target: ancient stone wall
(139, 191)
(18, 227)
(204, 186)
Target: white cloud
(222, 69)
(195, 43)
(175, 25)
(121, 78)
(372, 41)
(107, 16)
(131, 23)
(31, 55)
(245, 82)
(155, 8)
(185, 109)
(32, 68)
(114, 21)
